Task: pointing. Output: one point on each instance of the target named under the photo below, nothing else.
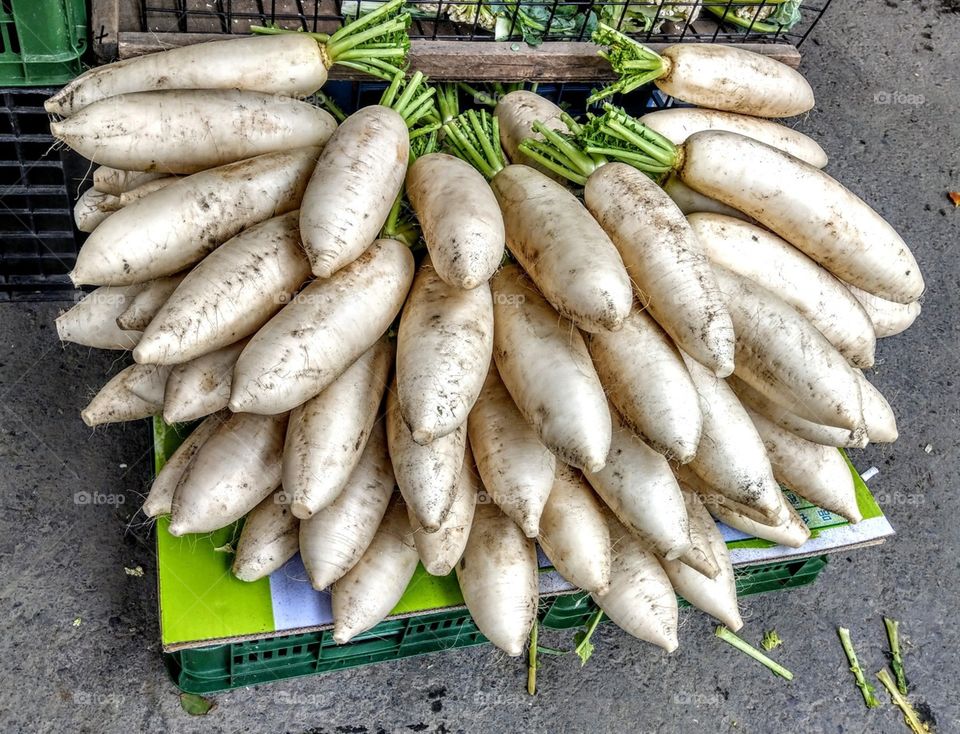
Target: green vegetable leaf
(584, 648)
(770, 640)
(196, 705)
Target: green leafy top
(474, 137)
(633, 62)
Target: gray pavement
(61, 561)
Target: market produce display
(417, 333)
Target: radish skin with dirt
(148, 382)
(499, 579)
(516, 468)
(428, 475)
(700, 556)
(760, 256)
(640, 599)
(92, 209)
(270, 538)
(165, 232)
(116, 181)
(792, 532)
(888, 318)
(573, 532)
(334, 538)
(201, 386)
(316, 337)
(169, 131)
(144, 189)
(115, 403)
(234, 470)
(459, 217)
(93, 321)
(516, 112)
(441, 551)
(878, 417)
(547, 370)
(444, 347)
(646, 380)
(160, 497)
(147, 302)
(229, 295)
(326, 436)
(639, 487)
(364, 595)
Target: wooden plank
(104, 29)
(554, 61)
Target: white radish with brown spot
(201, 386)
(459, 218)
(665, 261)
(546, 367)
(760, 256)
(364, 595)
(229, 295)
(444, 347)
(428, 475)
(499, 579)
(353, 187)
(169, 230)
(807, 208)
(646, 380)
(326, 436)
(639, 487)
(563, 249)
(334, 538)
(516, 468)
(148, 300)
(270, 538)
(115, 403)
(234, 470)
(93, 321)
(573, 532)
(317, 336)
(188, 130)
(516, 112)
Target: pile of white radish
(673, 343)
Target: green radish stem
(727, 636)
(475, 137)
(896, 657)
(584, 648)
(376, 43)
(532, 660)
(868, 691)
(326, 101)
(910, 715)
(633, 62)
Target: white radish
(545, 366)
(289, 65)
(878, 416)
(148, 382)
(229, 295)
(716, 596)
(817, 473)
(116, 181)
(147, 301)
(731, 456)
(888, 318)
(563, 249)
(93, 321)
(135, 194)
(313, 340)
(268, 540)
(364, 596)
(355, 182)
(768, 261)
(499, 579)
(665, 261)
(517, 470)
(185, 131)
(326, 436)
(807, 208)
(334, 538)
(160, 497)
(700, 556)
(164, 232)
(638, 485)
(201, 386)
(573, 532)
(808, 430)
(516, 112)
(441, 551)
(115, 402)
(647, 382)
(234, 470)
(428, 475)
(92, 209)
(690, 201)
(444, 347)
(640, 599)
(781, 355)
(792, 532)
(679, 123)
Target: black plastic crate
(38, 185)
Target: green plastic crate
(41, 41)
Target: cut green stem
(330, 106)
(474, 137)
(868, 691)
(584, 647)
(727, 636)
(532, 660)
(896, 657)
(273, 30)
(633, 62)
(910, 715)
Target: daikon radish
(115, 402)
(201, 386)
(93, 321)
(793, 532)
(116, 181)
(516, 112)
(147, 301)
(878, 416)
(700, 557)
(888, 318)
(270, 538)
